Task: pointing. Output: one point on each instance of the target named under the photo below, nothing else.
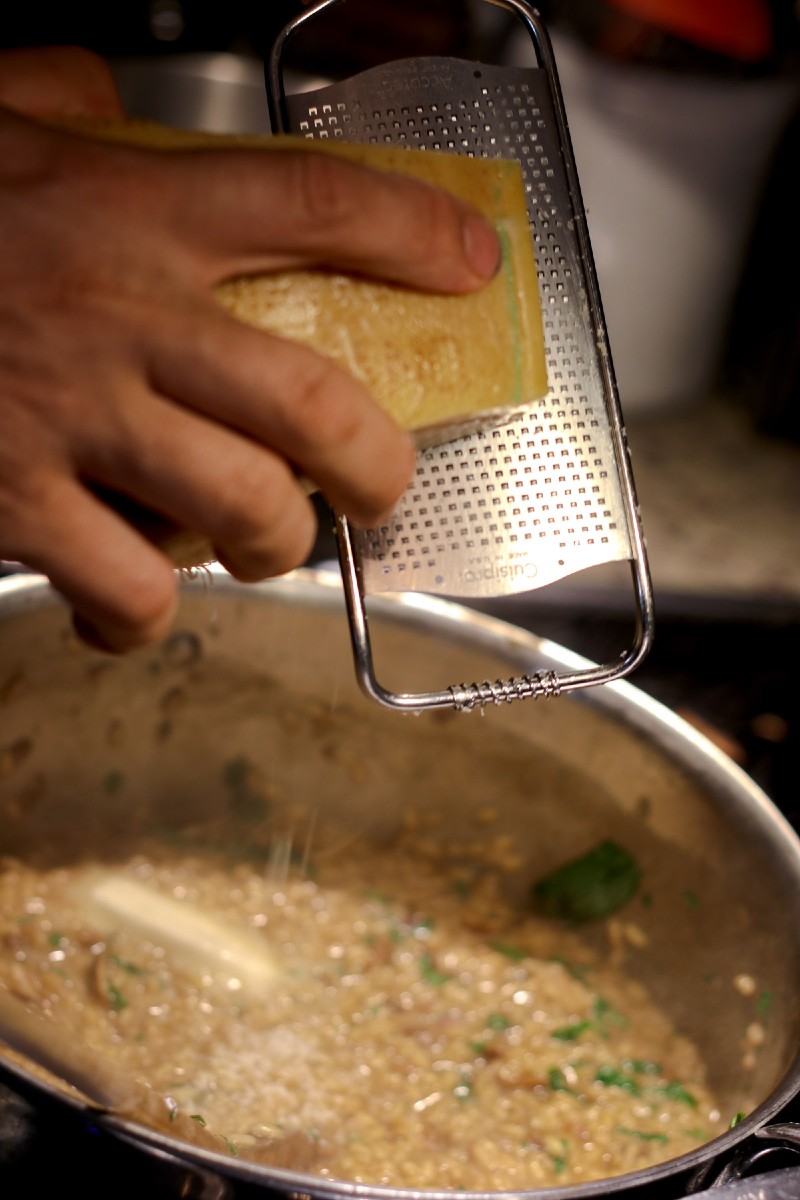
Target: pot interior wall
(95, 750)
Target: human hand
(119, 371)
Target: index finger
(243, 212)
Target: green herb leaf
(572, 969)
(570, 1033)
(643, 1066)
(676, 1091)
(615, 1077)
(764, 1003)
(128, 967)
(558, 1080)
(589, 887)
(604, 1014)
(116, 998)
(643, 1135)
(497, 1021)
(559, 1161)
(512, 952)
(737, 1120)
(430, 973)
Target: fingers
(58, 80)
(285, 396)
(251, 212)
(122, 591)
(240, 495)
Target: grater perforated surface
(523, 505)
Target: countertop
(720, 505)
(720, 509)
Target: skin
(119, 371)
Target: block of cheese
(442, 366)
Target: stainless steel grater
(518, 507)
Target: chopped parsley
(676, 1091)
(571, 1033)
(764, 1003)
(558, 1081)
(618, 1077)
(430, 972)
(512, 952)
(497, 1021)
(128, 967)
(643, 1135)
(116, 998)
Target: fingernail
(482, 246)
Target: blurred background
(684, 115)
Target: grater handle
(462, 697)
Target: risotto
(420, 1031)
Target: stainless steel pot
(563, 772)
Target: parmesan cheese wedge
(442, 366)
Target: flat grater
(551, 493)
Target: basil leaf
(589, 887)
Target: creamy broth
(420, 1032)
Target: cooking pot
(608, 763)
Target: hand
(118, 370)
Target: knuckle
(324, 411)
(243, 504)
(264, 526)
(29, 500)
(323, 189)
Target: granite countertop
(720, 505)
(720, 508)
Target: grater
(523, 505)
